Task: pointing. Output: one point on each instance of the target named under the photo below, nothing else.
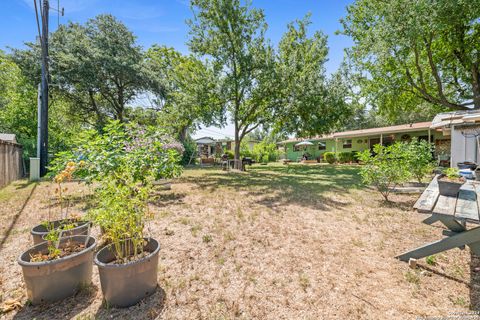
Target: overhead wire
(38, 23)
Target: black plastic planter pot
(467, 165)
(448, 188)
(50, 281)
(40, 230)
(124, 285)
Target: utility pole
(43, 119)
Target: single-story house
(208, 146)
(359, 140)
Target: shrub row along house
(452, 133)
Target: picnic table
(453, 213)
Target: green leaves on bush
(123, 161)
(188, 156)
(390, 166)
(265, 151)
(329, 157)
(420, 159)
(229, 154)
(144, 151)
(386, 168)
(345, 157)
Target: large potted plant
(58, 267)
(61, 260)
(128, 264)
(123, 162)
(450, 182)
(68, 224)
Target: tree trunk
(476, 86)
(182, 135)
(237, 164)
(120, 116)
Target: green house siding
(359, 143)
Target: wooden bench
(207, 161)
(453, 213)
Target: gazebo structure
(206, 146)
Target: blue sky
(163, 22)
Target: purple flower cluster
(143, 140)
(174, 145)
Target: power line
(217, 132)
(38, 23)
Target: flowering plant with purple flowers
(147, 151)
(123, 161)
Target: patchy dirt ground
(277, 242)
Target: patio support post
(381, 139)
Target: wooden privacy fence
(11, 167)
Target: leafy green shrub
(386, 168)
(147, 152)
(265, 159)
(123, 162)
(230, 154)
(420, 159)
(355, 156)
(345, 157)
(329, 157)
(245, 149)
(190, 148)
(431, 260)
(267, 150)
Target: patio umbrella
(304, 143)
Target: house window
(322, 145)
(296, 148)
(347, 144)
(420, 138)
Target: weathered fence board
(11, 164)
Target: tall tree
(233, 36)
(415, 51)
(311, 103)
(18, 111)
(184, 90)
(17, 105)
(97, 66)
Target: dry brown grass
(277, 242)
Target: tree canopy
(184, 91)
(286, 89)
(310, 102)
(233, 36)
(18, 111)
(97, 66)
(410, 52)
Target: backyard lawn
(275, 242)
